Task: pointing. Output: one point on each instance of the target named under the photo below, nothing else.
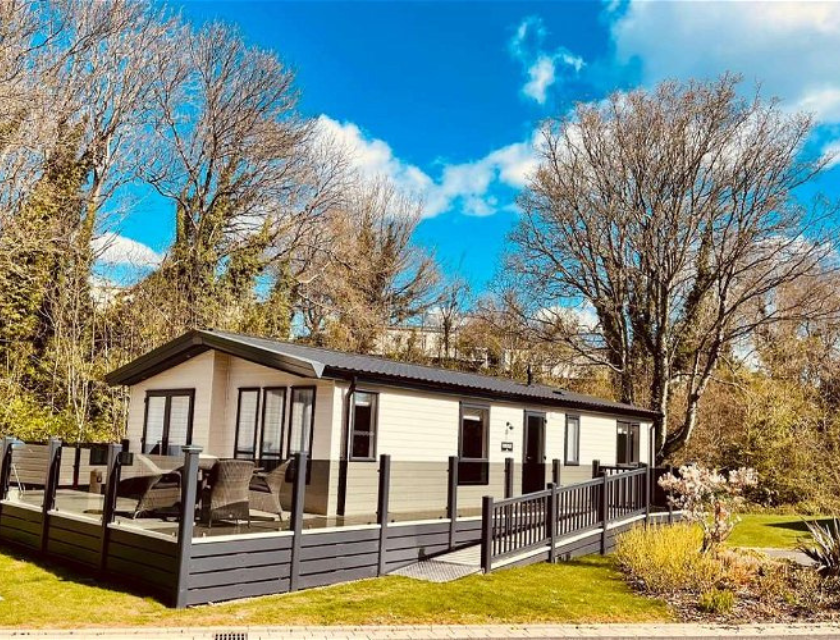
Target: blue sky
(444, 97)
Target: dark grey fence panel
(237, 560)
(315, 538)
(231, 569)
(234, 592)
(145, 543)
(245, 545)
(74, 540)
(22, 526)
(335, 577)
(338, 556)
(319, 552)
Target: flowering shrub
(708, 498)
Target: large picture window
(363, 425)
(247, 423)
(627, 443)
(301, 421)
(572, 455)
(168, 423)
(473, 446)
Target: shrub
(809, 590)
(825, 547)
(667, 558)
(716, 601)
(774, 583)
(709, 498)
(740, 568)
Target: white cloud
(792, 48)
(831, 154)
(374, 157)
(112, 249)
(541, 66)
(541, 75)
(468, 185)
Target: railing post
(487, 534)
(382, 509)
(452, 500)
(50, 487)
(298, 498)
(551, 517)
(5, 466)
(508, 477)
(556, 472)
(605, 512)
(186, 523)
(77, 461)
(5, 469)
(109, 503)
(596, 468)
(648, 493)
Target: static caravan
(246, 397)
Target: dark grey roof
(317, 362)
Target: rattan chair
(229, 499)
(156, 490)
(265, 489)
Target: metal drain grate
(235, 635)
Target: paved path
(787, 554)
(500, 632)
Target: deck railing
(518, 525)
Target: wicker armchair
(265, 489)
(228, 498)
(156, 490)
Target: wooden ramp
(446, 567)
(454, 565)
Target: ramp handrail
(517, 525)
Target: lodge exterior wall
(418, 429)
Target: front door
(533, 463)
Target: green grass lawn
(767, 530)
(588, 590)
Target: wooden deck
(185, 565)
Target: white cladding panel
(417, 426)
(196, 373)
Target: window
(363, 426)
(473, 466)
(301, 420)
(572, 440)
(627, 443)
(168, 424)
(273, 412)
(247, 423)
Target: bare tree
(672, 214)
(450, 314)
(247, 175)
(369, 276)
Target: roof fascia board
(471, 392)
(193, 343)
(291, 364)
(157, 360)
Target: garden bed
(724, 585)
